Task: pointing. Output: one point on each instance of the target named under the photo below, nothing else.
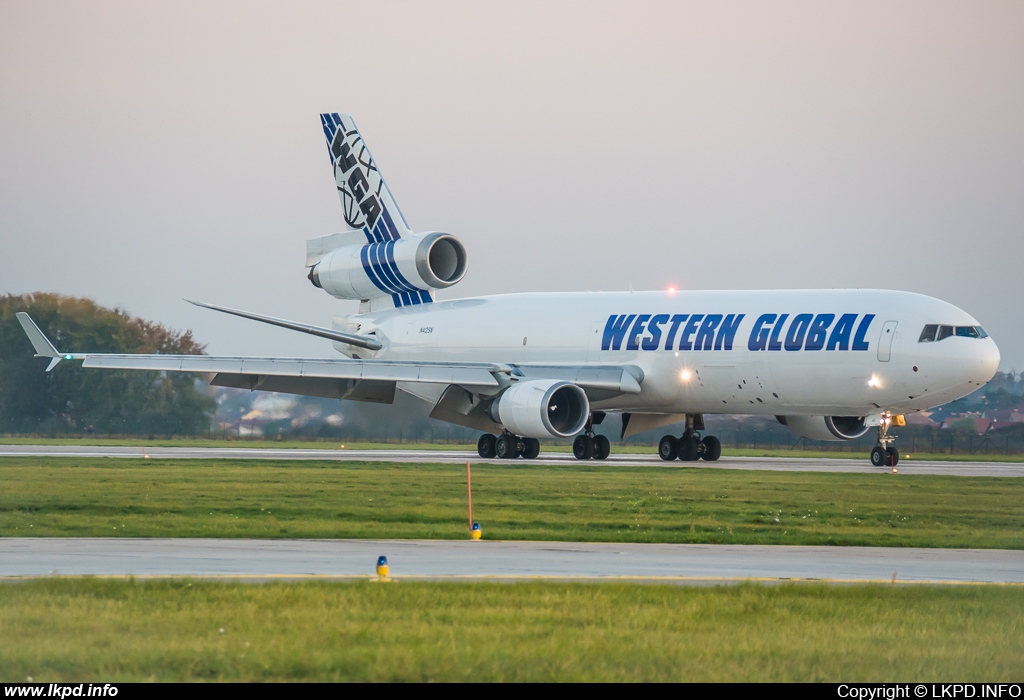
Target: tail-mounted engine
(410, 267)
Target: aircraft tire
(583, 447)
(892, 456)
(531, 448)
(878, 456)
(668, 448)
(712, 448)
(602, 447)
(485, 446)
(505, 447)
(689, 448)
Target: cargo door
(885, 341)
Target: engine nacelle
(412, 264)
(542, 408)
(833, 428)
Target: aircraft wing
(353, 379)
(467, 374)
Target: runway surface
(906, 466)
(444, 559)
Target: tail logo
(358, 179)
(369, 207)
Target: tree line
(72, 400)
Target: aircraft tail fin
(367, 202)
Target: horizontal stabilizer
(359, 341)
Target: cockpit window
(934, 332)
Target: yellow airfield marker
(382, 567)
(474, 528)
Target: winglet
(42, 344)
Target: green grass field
(123, 630)
(108, 497)
(101, 630)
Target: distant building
(1004, 418)
(981, 424)
(922, 418)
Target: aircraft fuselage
(775, 352)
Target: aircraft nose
(983, 362)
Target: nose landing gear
(884, 454)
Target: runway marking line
(513, 578)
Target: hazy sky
(154, 153)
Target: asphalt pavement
(259, 560)
(862, 466)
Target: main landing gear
(884, 454)
(507, 446)
(690, 447)
(591, 446)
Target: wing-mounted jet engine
(833, 428)
(533, 408)
(542, 408)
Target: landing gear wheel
(602, 448)
(531, 448)
(485, 446)
(668, 448)
(505, 447)
(583, 447)
(884, 454)
(689, 448)
(712, 448)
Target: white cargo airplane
(830, 364)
